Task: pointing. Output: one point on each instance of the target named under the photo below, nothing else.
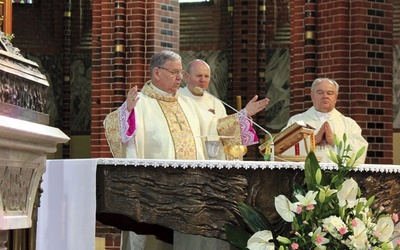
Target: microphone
(200, 91)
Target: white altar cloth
(67, 212)
(66, 216)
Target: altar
(160, 196)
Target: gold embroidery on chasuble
(179, 128)
(113, 134)
(229, 126)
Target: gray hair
(162, 57)
(318, 80)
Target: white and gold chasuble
(170, 127)
(165, 130)
(179, 129)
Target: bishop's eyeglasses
(175, 72)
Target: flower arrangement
(327, 212)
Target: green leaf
(370, 200)
(336, 139)
(359, 207)
(284, 240)
(311, 166)
(254, 218)
(360, 152)
(348, 148)
(335, 178)
(308, 215)
(318, 176)
(237, 236)
(333, 156)
(340, 146)
(321, 195)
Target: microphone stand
(271, 145)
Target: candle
(7, 12)
(239, 102)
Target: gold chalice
(235, 151)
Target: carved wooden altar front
(157, 197)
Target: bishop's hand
(132, 98)
(254, 106)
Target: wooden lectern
(288, 138)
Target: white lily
(308, 199)
(318, 238)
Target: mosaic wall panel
(81, 71)
(81, 89)
(277, 80)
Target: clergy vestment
(206, 101)
(339, 124)
(172, 127)
(211, 104)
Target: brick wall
(199, 17)
(351, 42)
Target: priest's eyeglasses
(173, 72)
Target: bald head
(197, 74)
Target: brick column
(244, 63)
(371, 75)
(260, 118)
(297, 57)
(310, 46)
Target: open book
(289, 137)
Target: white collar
(323, 116)
(160, 91)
